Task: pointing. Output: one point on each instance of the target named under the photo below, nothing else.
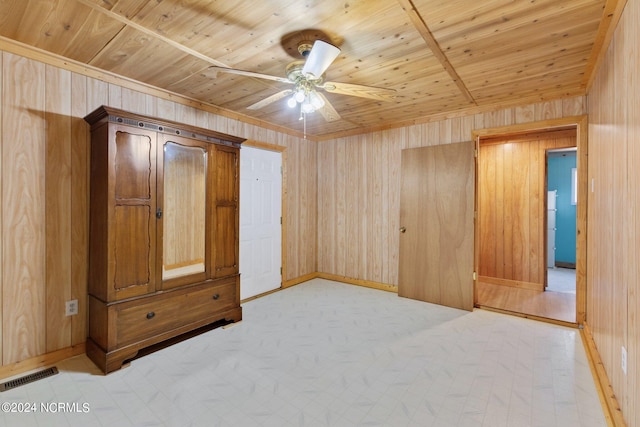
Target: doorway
(561, 220)
(511, 240)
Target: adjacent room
(380, 212)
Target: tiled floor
(561, 280)
(330, 354)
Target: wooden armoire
(163, 238)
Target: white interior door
(260, 227)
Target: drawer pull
(216, 296)
(151, 315)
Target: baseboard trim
(512, 283)
(528, 316)
(41, 361)
(612, 411)
(359, 282)
(301, 279)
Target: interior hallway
(558, 302)
(329, 354)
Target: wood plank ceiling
(440, 57)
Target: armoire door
(437, 226)
(131, 201)
(184, 206)
(225, 211)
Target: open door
(437, 225)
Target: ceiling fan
(307, 76)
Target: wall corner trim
(612, 412)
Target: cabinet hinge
(475, 276)
(475, 152)
(280, 220)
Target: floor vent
(28, 379)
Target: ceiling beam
(426, 34)
(151, 33)
(610, 17)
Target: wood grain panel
(633, 237)
(505, 53)
(1, 204)
(344, 161)
(133, 165)
(58, 205)
(511, 182)
(131, 232)
(23, 209)
(226, 212)
(23, 116)
(303, 203)
(613, 303)
(79, 205)
(301, 200)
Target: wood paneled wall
(44, 196)
(359, 187)
(511, 209)
(613, 273)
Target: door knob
(403, 229)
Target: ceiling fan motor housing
(294, 73)
(304, 47)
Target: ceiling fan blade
(328, 112)
(249, 74)
(321, 56)
(270, 99)
(378, 93)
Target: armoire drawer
(164, 312)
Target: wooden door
(132, 206)
(225, 211)
(437, 227)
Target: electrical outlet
(624, 360)
(71, 307)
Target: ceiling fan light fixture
(316, 100)
(321, 56)
(300, 95)
(307, 108)
(291, 102)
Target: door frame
(283, 151)
(580, 123)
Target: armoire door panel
(226, 249)
(133, 166)
(132, 257)
(225, 236)
(226, 174)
